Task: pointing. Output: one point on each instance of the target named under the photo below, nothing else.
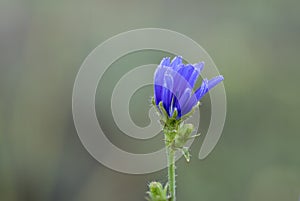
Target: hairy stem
(171, 172)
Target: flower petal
(197, 70)
(208, 85)
(199, 93)
(186, 95)
(214, 81)
(166, 92)
(186, 71)
(181, 104)
(176, 61)
(199, 66)
(158, 83)
(165, 61)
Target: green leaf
(183, 135)
(186, 154)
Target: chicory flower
(174, 84)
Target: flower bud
(157, 192)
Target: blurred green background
(255, 45)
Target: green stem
(171, 173)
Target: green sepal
(175, 113)
(160, 111)
(164, 114)
(194, 136)
(189, 114)
(153, 101)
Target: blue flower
(174, 83)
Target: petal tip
(177, 60)
(199, 66)
(165, 61)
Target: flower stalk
(171, 131)
(175, 101)
(171, 173)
